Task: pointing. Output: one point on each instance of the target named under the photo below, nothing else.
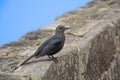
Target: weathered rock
(9, 76)
(91, 51)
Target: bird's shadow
(36, 61)
(31, 63)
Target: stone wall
(91, 50)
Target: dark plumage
(51, 46)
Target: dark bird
(51, 46)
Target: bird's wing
(50, 47)
(54, 40)
(38, 51)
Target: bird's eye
(60, 27)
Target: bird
(51, 46)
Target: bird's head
(61, 29)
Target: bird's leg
(50, 58)
(54, 59)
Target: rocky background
(91, 51)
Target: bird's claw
(53, 58)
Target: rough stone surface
(91, 51)
(8, 76)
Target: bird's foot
(53, 58)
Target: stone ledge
(77, 58)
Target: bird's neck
(61, 35)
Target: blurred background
(17, 17)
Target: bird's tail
(26, 60)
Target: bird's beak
(67, 28)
